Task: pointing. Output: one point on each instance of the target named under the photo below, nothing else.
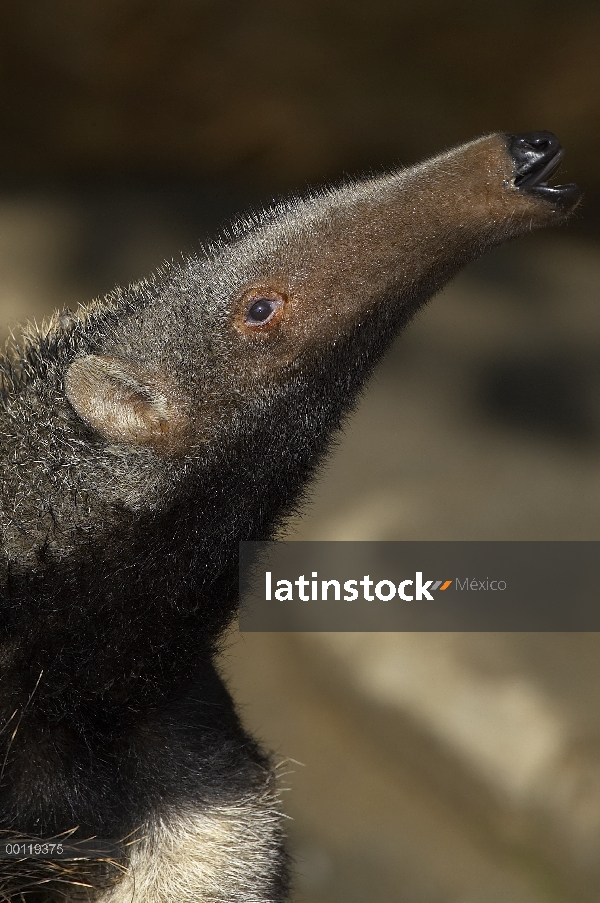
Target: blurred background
(421, 767)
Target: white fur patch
(225, 854)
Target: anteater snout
(536, 155)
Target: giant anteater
(142, 438)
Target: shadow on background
(436, 768)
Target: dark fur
(118, 566)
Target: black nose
(536, 156)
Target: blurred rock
(367, 824)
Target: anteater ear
(125, 402)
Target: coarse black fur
(142, 439)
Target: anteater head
(158, 428)
(311, 293)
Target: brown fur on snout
(391, 242)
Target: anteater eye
(261, 310)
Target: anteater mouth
(536, 156)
